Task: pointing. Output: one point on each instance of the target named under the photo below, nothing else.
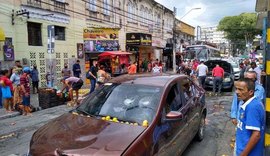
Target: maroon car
(130, 115)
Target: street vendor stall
(115, 62)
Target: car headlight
(227, 79)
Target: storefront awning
(2, 35)
(113, 53)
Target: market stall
(115, 62)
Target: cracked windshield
(135, 77)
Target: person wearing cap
(74, 83)
(35, 79)
(25, 87)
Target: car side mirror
(174, 116)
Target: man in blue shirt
(259, 94)
(250, 121)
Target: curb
(14, 114)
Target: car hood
(211, 64)
(76, 135)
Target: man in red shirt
(218, 75)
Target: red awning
(113, 53)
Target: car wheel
(200, 133)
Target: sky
(211, 12)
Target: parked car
(228, 80)
(130, 115)
(236, 70)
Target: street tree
(239, 30)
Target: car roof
(146, 79)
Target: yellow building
(24, 24)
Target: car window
(173, 99)
(127, 102)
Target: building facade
(83, 30)
(25, 25)
(212, 35)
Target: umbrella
(113, 53)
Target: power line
(106, 21)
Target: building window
(59, 33)
(142, 13)
(36, 3)
(34, 34)
(59, 6)
(93, 5)
(106, 7)
(146, 16)
(130, 11)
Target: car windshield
(126, 102)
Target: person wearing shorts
(25, 89)
(74, 83)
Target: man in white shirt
(202, 71)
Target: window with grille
(34, 34)
(59, 33)
(93, 5)
(106, 7)
(59, 6)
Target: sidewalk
(34, 102)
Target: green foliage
(239, 29)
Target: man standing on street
(77, 69)
(257, 69)
(66, 72)
(202, 70)
(250, 122)
(132, 69)
(93, 76)
(25, 86)
(259, 94)
(35, 79)
(218, 75)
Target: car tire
(201, 130)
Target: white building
(212, 35)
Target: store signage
(100, 39)
(8, 50)
(139, 39)
(100, 34)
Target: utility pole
(174, 40)
(267, 88)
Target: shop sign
(100, 34)
(101, 45)
(138, 39)
(100, 39)
(133, 38)
(8, 50)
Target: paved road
(219, 129)
(16, 132)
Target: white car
(236, 70)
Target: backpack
(88, 76)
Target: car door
(191, 98)
(171, 136)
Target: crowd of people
(15, 88)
